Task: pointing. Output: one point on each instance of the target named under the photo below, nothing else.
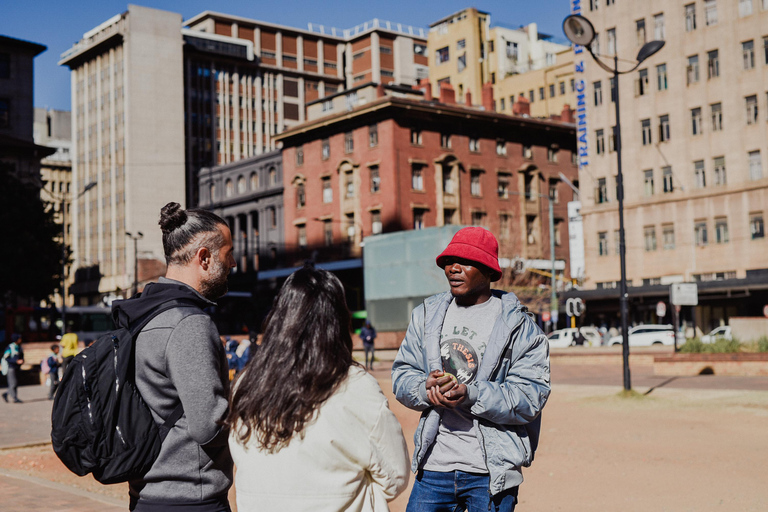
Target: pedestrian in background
(13, 358)
(310, 429)
(69, 346)
(368, 336)
(54, 363)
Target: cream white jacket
(351, 457)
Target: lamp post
(139, 235)
(65, 201)
(580, 31)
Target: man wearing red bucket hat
(477, 365)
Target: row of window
(700, 234)
(243, 185)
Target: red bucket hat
(474, 244)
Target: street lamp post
(139, 235)
(580, 31)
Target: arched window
(301, 196)
(213, 192)
(241, 185)
(254, 181)
(229, 188)
(272, 176)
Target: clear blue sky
(59, 24)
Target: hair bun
(172, 216)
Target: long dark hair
(305, 354)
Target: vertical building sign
(581, 97)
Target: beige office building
(128, 138)
(695, 144)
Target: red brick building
(382, 159)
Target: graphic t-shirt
(465, 335)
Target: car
(567, 337)
(720, 333)
(647, 335)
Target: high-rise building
(694, 143)
(128, 138)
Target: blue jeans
(456, 491)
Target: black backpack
(100, 423)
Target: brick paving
(19, 492)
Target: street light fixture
(139, 235)
(579, 31)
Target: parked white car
(647, 335)
(721, 333)
(567, 337)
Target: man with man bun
(180, 364)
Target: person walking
(69, 347)
(180, 360)
(477, 366)
(310, 429)
(368, 336)
(54, 363)
(13, 358)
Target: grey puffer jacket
(506, 398)
(180, 359)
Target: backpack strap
(175, 416)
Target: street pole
(553, 308)
(623, 299)
(139, 235)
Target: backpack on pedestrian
(100, 423)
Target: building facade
(389, 160)
(128, 138)
(694, 145)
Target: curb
(31, 444)
(9, 473)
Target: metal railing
(369, 25)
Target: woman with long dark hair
(310, 429)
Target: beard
(215, 285)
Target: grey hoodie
(180, 359)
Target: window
(755, 165)
(554, 193)
(668, 236)
(645, 127)
(562, 88)
(375, 179)
(416, 137)
(5, 65)
(300, 156)
(527, 151)
(720, 178)
(666, 174)
(501, 148)
(542, 96)
(474, 183)
(552, 153)
(302, 228)
(658, 27)
(461, 62)
(610, 41)
(373, 135)
(327, 190)
(700, 232)
(349, 185)
(664, 133)
(445, 141)
(756, 226)
(602, 243)
(690, 17)
(376, 225)
(594, 5)
(254, 181)
(700, 177)
(417, 176)
(272, 217)
(721, 230)
(745, 8)
(328, 232)
(502, 188)
(502, 105)
(751, 103)
(447, 183)
(692, 71)
(241, 185)
(531, 97)
(640, 32)
(601, 192)
(648, 182)
(765, 43)
(229, 188)
(641, 85)
(474, 144)
(600, 142)
(326, 149)
(349, 142)
(5, 113)
(696, 121)
(504, 223)
(661, 77)
(710, 12)
(598, 92)
(713, 64)
(716, 110)
(748, 54)
(649, 234)
(551, 90)
(442, 55)
(418, 218)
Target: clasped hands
(443, 390)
